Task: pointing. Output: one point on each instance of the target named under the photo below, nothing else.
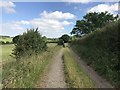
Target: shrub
(28, 43)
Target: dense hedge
(100, 50)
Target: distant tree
(44, 38)
(65, 38)
(2, 42)
(7, 42)
(91, 21)
(28, 43)
(60, 42)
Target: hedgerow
(100, 50)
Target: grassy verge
(26, 72)
(75, 77)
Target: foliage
(15, 39)
(60, 42)
(28, 43)
(100, 50)
(2, 42)
(65, 38)
(91, 21)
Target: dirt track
(54, 78)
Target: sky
(52, 18)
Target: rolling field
(5, 52)
(5, 39)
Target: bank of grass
(100, 50)
(27, 71)
(75, 77)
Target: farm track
(54, 75)
(54, 78)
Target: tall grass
(100, 50)
(75, 77)
(27, 71)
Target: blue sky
(52, 18)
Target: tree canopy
(65, 38)
(91, 21)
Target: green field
(5, 52)
(6, 39)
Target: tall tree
(91, 21)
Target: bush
(100, 50)
(28, 43)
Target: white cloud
(78, 1)
(105, 7)
(12, 28)
(87, 1)
(51, 26)
(57, 15)
(52, 23)
(23, 22)
(7, 6)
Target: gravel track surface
(54, 77)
